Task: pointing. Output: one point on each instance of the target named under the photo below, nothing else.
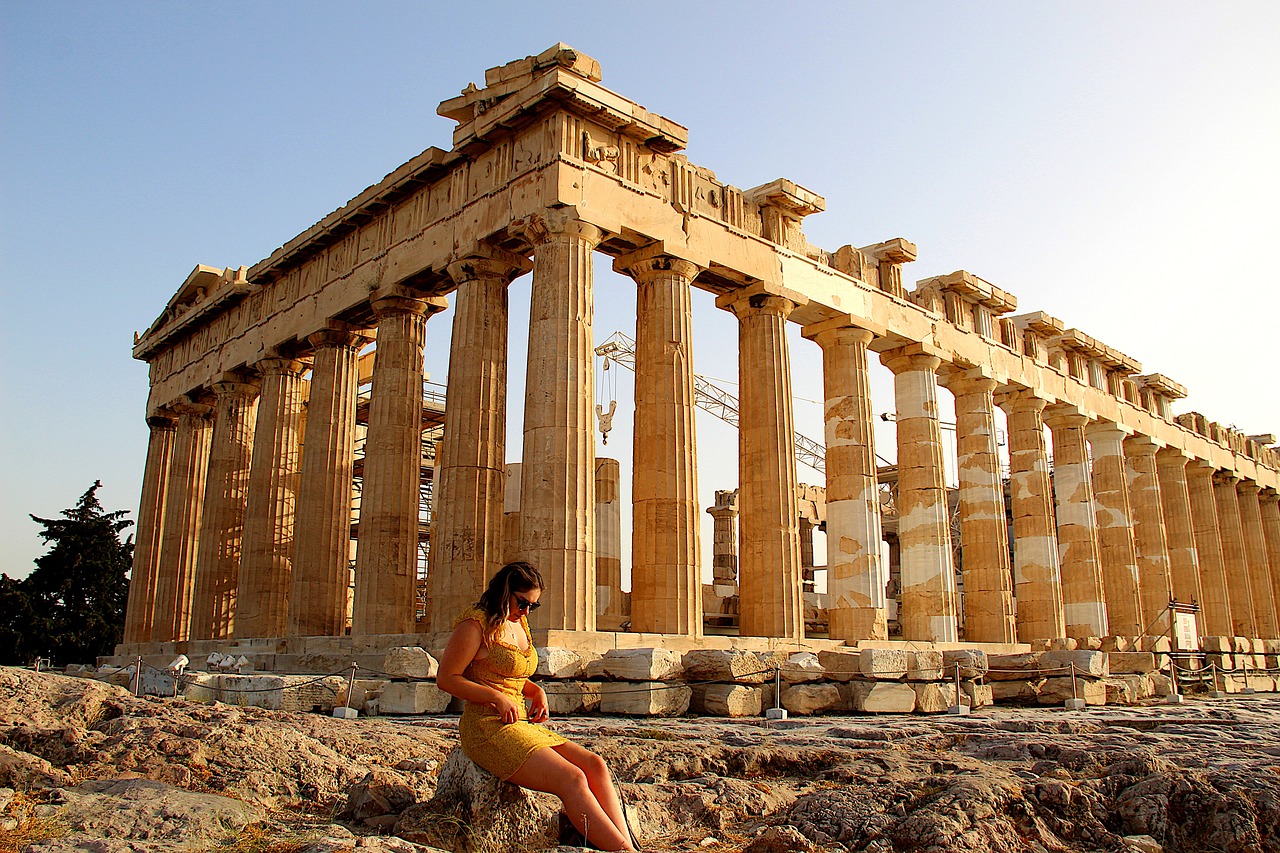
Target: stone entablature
(549, 164)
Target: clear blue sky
(1113, 164)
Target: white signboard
(1186, 636)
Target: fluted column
(387, 548)
(266, 563)
(557, 502)
(140, 615)
(1215, 604)
(466, 536)
(610, 613)
(856, 576)
(322, 528)
(175, 578)
(724, 539)
(1036, 574)
(1115, 530)
(1234, 557)
(1175, 501)
(770, 603)
(984, 529)
(1255, 546)
(213, 607)
(1154, 579)
(928, 610)
(1270, 509)
(666, 584)
(1084, 600)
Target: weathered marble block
(972, 663)
(727, 700)
(1014, 692)
(806, 699)
(882, 697)
(644, 699)
(802, 667)
(642, 664)
(1056, 691)
(1117, 644)
(884, 664)
(1218, 645)
(1160, 645)
(841, 666)
(1130, 662)
(409, 662)
(980, 695)
(726, 665)
(571, 697)
(926, 665)
(935, 697)
(413, 697)
(556, 662)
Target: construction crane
(710, 397)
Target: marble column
(1269, 502)
(266, 563)
(1084, 600)
(808, 575)
(770, 603)
(1036, 573)
(558, 505)
(724, 539)
(928, 608)
(1115, 530)
(1234, 556)
(1154, 579)
(610, 613)
(1175, 501)
(984, 529)
(140, 615)
(1215, 606)
(175, 578)
(666, 583)
(1255, 546)
(466, 535)
(322, 527)
(387, 549)
(856, 576)
(213, 606)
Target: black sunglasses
(525, 604)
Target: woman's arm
(538, 710)
(458, 655)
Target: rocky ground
(86, 766)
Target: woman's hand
(506, 708)
(538, 710)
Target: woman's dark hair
(511, 579)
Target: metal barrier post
(1075, 703)
(959, 709)
(137, 676)
(1215, 693)
(777, 712)
(1174, 698)
(346, 712)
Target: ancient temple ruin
(263, 432)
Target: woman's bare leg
(599, 780)
(547, 770)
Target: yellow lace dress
(502, 748)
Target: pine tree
(76, 596)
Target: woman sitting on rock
(488, 663)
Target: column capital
(839, 334)
(1226, 478)
(1065, 416)
(280, 366)
(1015, 399)
(972, 381)
(909, 358)
(652, 261)
(556, 223)
(773, 298)
(1172, 457)
(1106, 431)
(1141, 445)
(1200, 468)
(188, 409)
(1248, 487)
(230, 387)
(397, 300)
(488, 262)
(339, 334)
(1269, 495)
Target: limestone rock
(882, 697)
(644, 699)
(474, 810)
(934, 697)
(802, 667)
(884, 664)
(1218, 645)
(379, 794)
(1117, 644)
(557, 662)
(642, 664)
(1119, 691)
(725, 665)
(841, 665)
(1121, 663)
(926, 665)
(1063, 644)
(1161, 685)
(571, 697)
(409, 662)
(1056, 691)
(727, 700)
(22, 770)
(972, 663)
(806, 699)
(1139, 686)
(779, 839)
(979, 695)
(413, 697)
(1014, 692)
(1142, 844)
(1156, 644)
